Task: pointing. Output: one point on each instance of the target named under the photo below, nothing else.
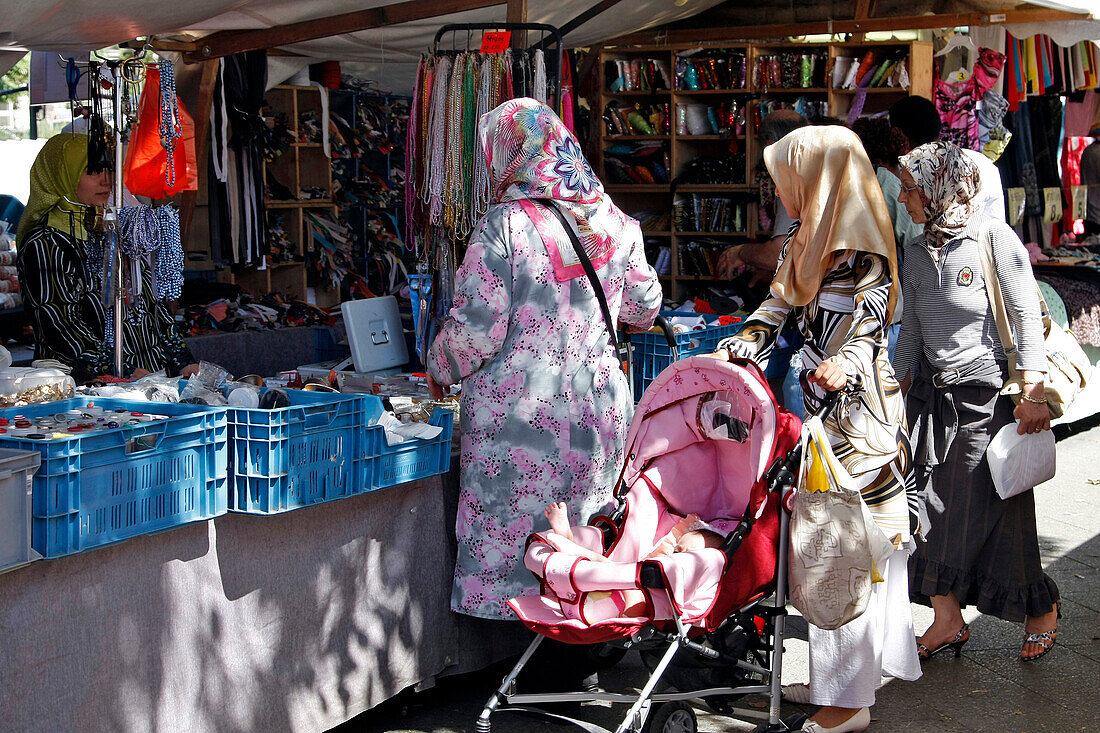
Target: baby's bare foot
(558, 516)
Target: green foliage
(17, 76)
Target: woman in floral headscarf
(837, 279)
(545, 406)
(980, 549)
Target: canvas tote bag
(835, 543)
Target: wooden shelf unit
(303, 165)
(682, 149)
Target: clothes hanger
(960, 40)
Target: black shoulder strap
(620, 348)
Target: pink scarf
(532, 155)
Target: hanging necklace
(454, 146)
(437, 174)
(469, 128)
(481, 170)
(170, 130)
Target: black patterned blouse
(63, 303)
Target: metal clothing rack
(110, 213)
(550, 41)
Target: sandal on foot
(961, 637)
(1045, 639)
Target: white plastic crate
(16, 469)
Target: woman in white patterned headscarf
(980, 550)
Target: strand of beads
(170, 130)
(137, 230)
(109, 258)
(169, 267)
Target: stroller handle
(784, 469)
(828, 404)
(670, 335)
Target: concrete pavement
(987, 689)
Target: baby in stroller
(690, 533)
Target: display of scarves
(447, 186)
(1037, 65)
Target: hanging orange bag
(146, 166)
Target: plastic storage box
(307, 453)
(16, 467)
(391, 465)
(110, 485)
(652, 353)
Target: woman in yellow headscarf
(60, 295)
(837, 278)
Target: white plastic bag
(1018, 463)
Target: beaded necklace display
(436, 142)
(469, 147)
(486, 101)
(448, 184)
(453, 189)
(170, 128)
(411, 132)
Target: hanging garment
(957, 102)
(237, 214)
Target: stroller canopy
(707, 428)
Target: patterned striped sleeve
(871, 273)
(51, 278)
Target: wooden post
(517, 13)
(864, 9)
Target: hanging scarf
(55, 177)
(531, 155)
(948, 182)
(826, 181)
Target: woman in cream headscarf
(838, 278)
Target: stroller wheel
(672, 717)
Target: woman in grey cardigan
(979, 549)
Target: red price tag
(496, 41)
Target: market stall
(281, 558)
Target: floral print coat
(545, 406)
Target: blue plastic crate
(110, 485)
(652, 354)
(290, 457)
(390, 465)
(325, 346)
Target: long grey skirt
(981, 548)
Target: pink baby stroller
(707, 438)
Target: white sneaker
(854, 724)
(799, 693)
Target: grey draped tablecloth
(294, 622)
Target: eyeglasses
(908, 189)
